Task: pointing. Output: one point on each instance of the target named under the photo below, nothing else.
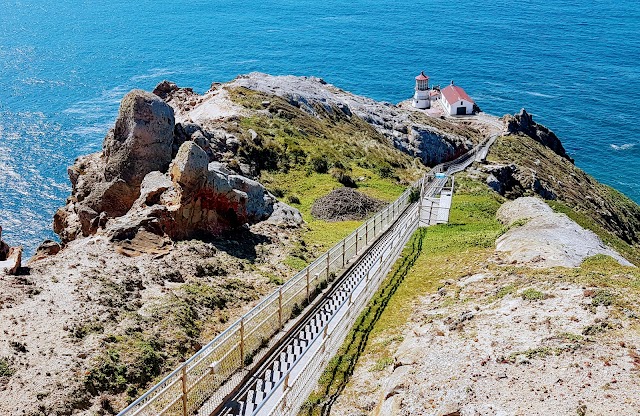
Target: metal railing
(297, 384)
(205, 379)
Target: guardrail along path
(264, 364)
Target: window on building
(461, 103)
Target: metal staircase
(268, 362)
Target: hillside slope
(456, 330)
(200, 205)
(519, 165)
(156, 256)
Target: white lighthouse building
(421, 96)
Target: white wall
(452, 109)
(421, 99)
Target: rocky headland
(198, 205)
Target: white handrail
(371, 229)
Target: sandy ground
(513, 340)
(508, 356)
(89, 284)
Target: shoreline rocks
(10, 257)
(522, 122)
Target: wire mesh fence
(294, 390)
(206, 378)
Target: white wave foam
(539, 94)
(625, 146)
(243, 62)
(153, 73)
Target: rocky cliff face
(522, 122)
(432, 140)
(139, 182)
(10, 257)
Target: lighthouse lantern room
(421, 96)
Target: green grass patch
(539, 352)
(532, 295)
(602, 297)
(571, 337)
(506, 290)
(437, 253)
(382, 363)
(6, 370)
(319, 235)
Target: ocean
(65, 65)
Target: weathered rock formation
(513, 181)
(547, 239)
(432, 140)
(136, 182)
(10, 257)
(285, 216)
(523, 123)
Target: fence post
(344, 242)
(242, 343)
(328, 264)
(184, 390)
(357, 238)
(280, 304)
(366, 235)
(307, 285)
(374, 226)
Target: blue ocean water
(65, 65)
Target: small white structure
(456, 101)
(435, 209)
(421, 97)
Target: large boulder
(136, 187)
(546, 239)
(141, 140)
(285, 216)
(105, 185)
(195, 198)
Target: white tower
(421, 97)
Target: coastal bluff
(200, 205)
(147, 181)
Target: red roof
(453, 93)
(422, 77)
